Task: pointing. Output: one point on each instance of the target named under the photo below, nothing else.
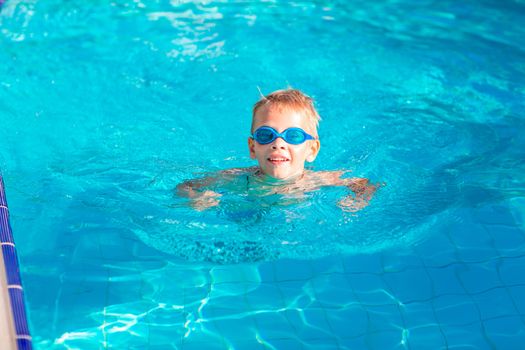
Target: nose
(279, 143)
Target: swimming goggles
(294, 136)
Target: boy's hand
(205, 200)
(363, 194)
(352, 204)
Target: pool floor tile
(518, 297)
(495, 303)
(356, 264)
(469, 336)
(348, 321)
(384, 339)
(285, 343)
(333, 290)
(508, 240)
(385, 317)
(425, 336)
(507, 332)
(308, 324)
(409, 285)
(512, 270)
(272, 325)
(445, 280)
(293, 270)
(456, 310)
(479, 277)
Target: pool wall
(14, 331)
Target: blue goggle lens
(295, 136)
(264, 136)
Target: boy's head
(283, 156)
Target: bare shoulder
(326, 178)
(238, 171)
(339, 178)
(209, 180)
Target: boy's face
(280, 159)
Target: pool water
(106, 107)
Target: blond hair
(291, 99)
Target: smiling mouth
(278, 160)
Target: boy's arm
(362, 188)
(201, 197)
(363, 191)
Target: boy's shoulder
(326, 177)
(239, 171)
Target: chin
(281, 175)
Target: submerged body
(206, 192)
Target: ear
(251, 147)
(313, 150)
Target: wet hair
(291, 99)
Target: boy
(284, 137)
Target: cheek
(300, 153)
(259, 150)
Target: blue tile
(364, 263)
(240, 327)
(419, 314)
(252, 343)
(293, 270)
(518, 296)
(352, 343)
(445, 280)
(493, 214)
(225, 308)
(333, 291)
(477, 254)
(512, 270)
(235, 273)
(24, 344)
(2, 191)
(308, 323)
(267, 271)
(421, 337)
(437, 251)
(272, 325)
(495, 303)
(5, 229)
(401, 262)
(328, 265)
(348, 321)
(468, 337)
(17, 303)
(385, 317)
(322, 343)
(479, 277)
(455, 310)
(370, 289)
(266, 296)
(409, 285)
(211, 345)
(285, 343)
(11, 265)
(507, 332)
(472, 242)
(164, 346)
(384, 339)
(299, 294)
(508, 240)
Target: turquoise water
(105, 108)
